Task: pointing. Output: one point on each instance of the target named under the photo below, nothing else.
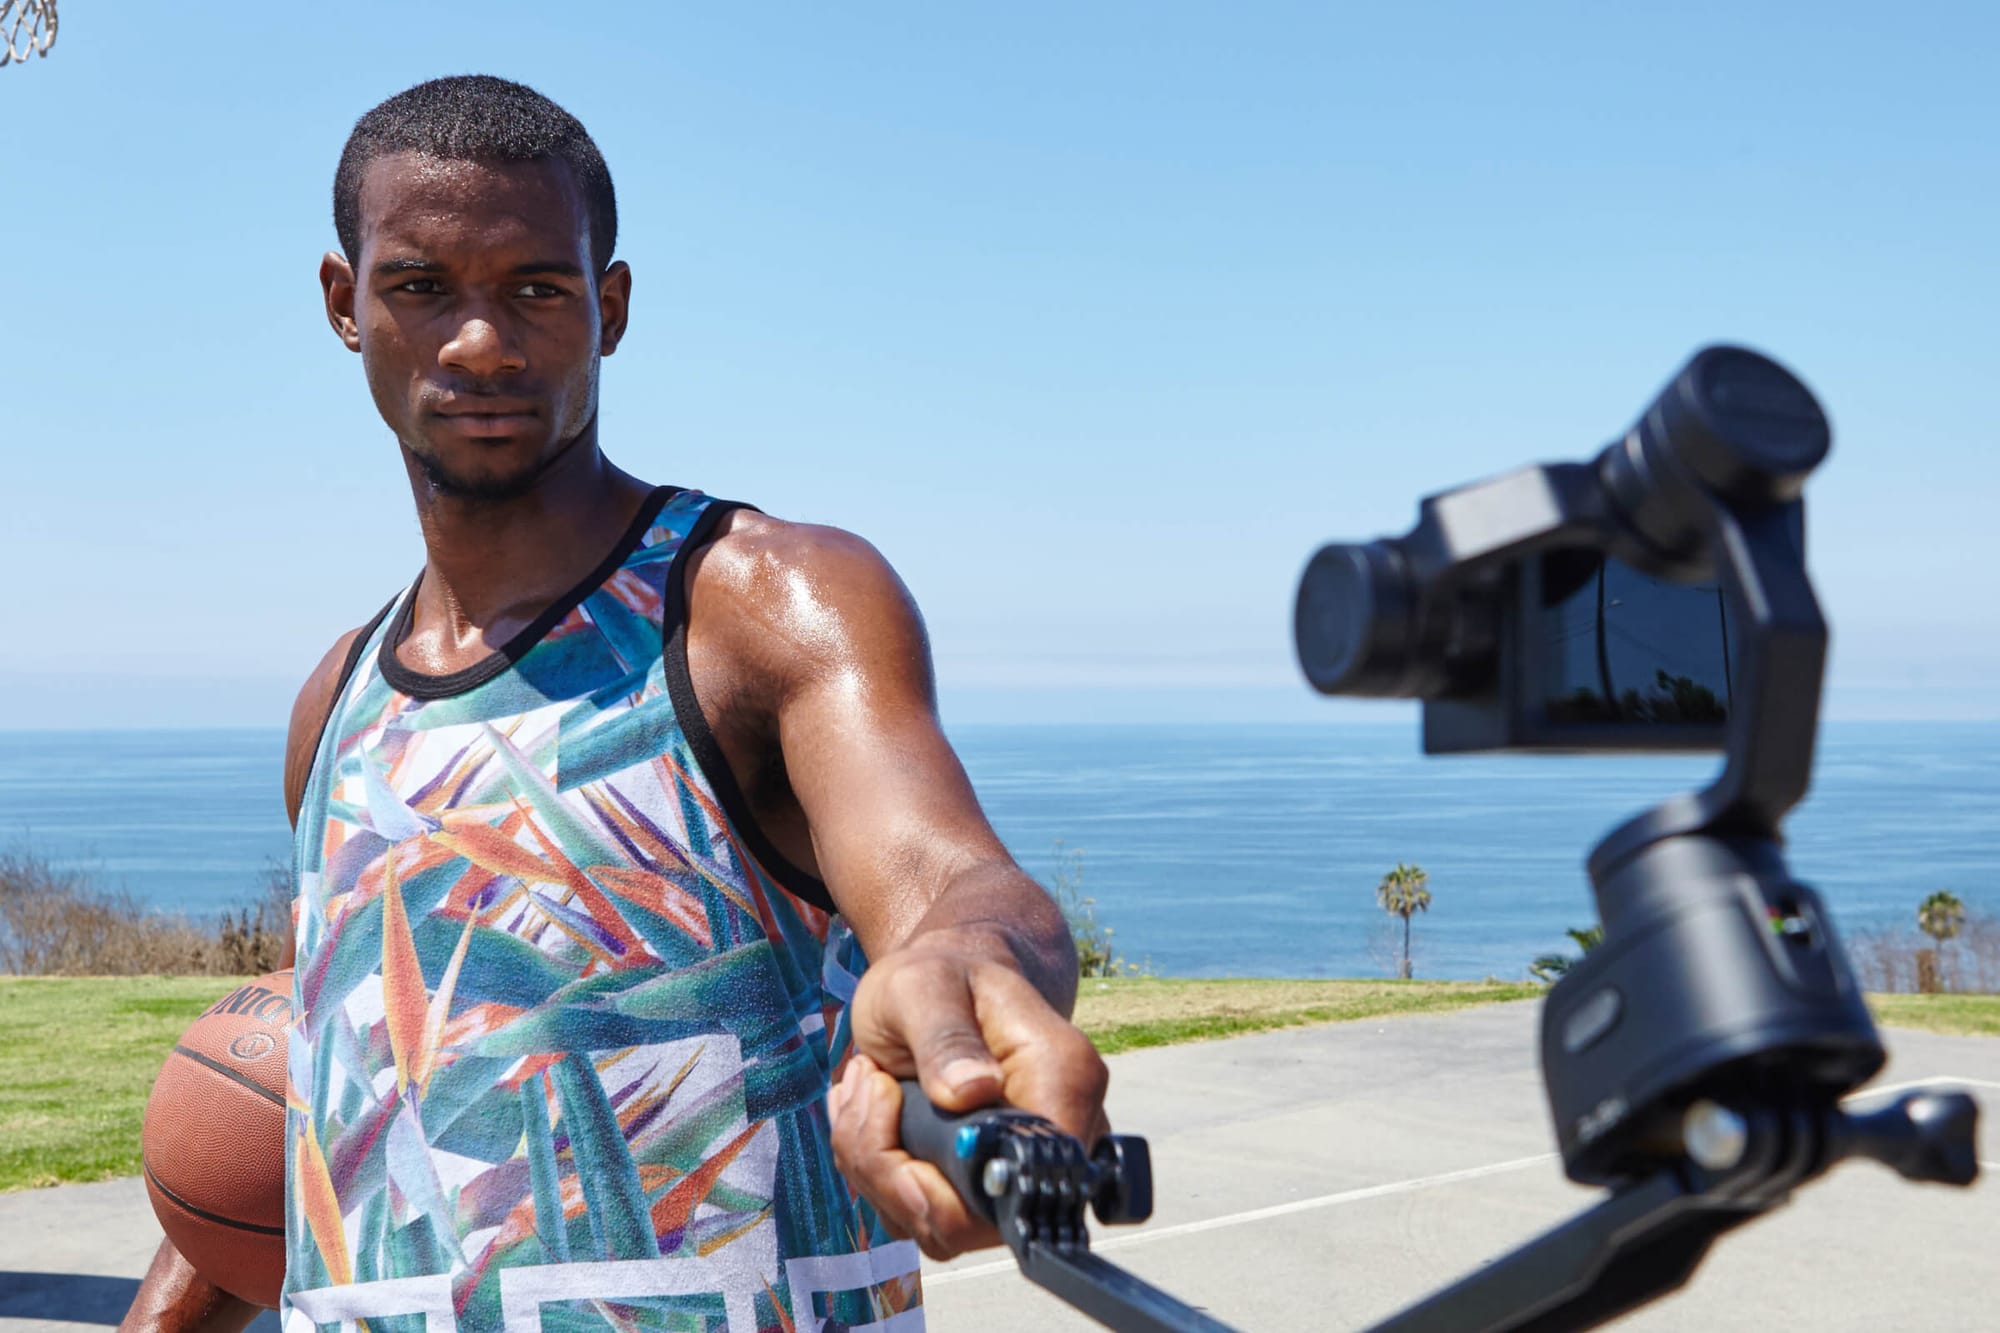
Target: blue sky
(1097, 319)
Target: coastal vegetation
(1096, 956)
(1887, 962)
(55, 923)
(1940, 916)
(1550, 966)
(1950, 951)
(1404, 892)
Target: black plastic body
(1691, 991)
(1439, 612)
(1718, 974)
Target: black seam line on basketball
(203, 1213)
(708, 754)
(229, 1073)
(419, 685)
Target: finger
(912, 1197)
(837, 1097)
(882, 1164)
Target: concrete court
(1375, 1161)
(1352, 1126)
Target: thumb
(957, 1070)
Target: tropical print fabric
(563, 1043)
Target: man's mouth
(487, 416)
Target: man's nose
(482, 347)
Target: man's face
(479, 315)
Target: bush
(1903, 960)
(1095, 956)
(55, 923)
(1550, 966)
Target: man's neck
(495, 564)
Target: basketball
(213, 1143)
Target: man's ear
(614, 305)
(336, 279)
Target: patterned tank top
(566, 1017)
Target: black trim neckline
(707, 750)
(421, 685)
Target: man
(596, 824)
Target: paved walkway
(1320, 1178)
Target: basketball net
(26, 28)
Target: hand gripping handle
(1032, 1181)
(995, 1151)
(958, 1144)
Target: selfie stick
(1696, 1059)
(1034, 1183)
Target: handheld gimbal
(1696, 1059)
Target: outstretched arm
(972, 972)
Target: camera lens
(1745, 426)
(1352, 621)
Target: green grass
(78, 1054)
(77, 1058)
(1954, 1015)
(1126, 1013)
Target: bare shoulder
(816, 594)
(309, 712)
(753, 548)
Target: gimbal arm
(1695, 1060)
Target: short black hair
(475, 118)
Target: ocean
(1209, 850)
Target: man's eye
(538, 290)
(421, 286)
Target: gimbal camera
(1653, 598)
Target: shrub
(1095, 956)
(55, 923)
(1900, 959)
(1549, 966)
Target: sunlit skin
(481, 321)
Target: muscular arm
(815, 622)
(174, 1298)
(309, 712)
(972, 972)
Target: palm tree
(1402, 893)
(1552, 965)
(1941, 916)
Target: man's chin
(485, 485)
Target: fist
(974, 1031)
